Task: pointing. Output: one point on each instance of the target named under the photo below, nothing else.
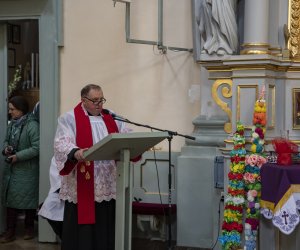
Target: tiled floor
(20, 244)
(137, 243)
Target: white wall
(138, 82)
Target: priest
(87, 187)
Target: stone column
(256, 27)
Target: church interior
(217, 80)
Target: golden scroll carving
(226, 90)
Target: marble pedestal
(197, 198)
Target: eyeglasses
(97, 102)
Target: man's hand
(79, 154)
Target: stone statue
(217, 24)
(287, 35)
(286, 53)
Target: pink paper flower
(251, 159)
(260, 161)
(251, 178)
(253, 193)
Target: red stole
(85, 169)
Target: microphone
(106, 111)
(114, 115)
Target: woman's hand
(13, 158)
(8, 150)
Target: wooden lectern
(123, 147)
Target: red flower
(253, 222)
(234, 208)
(235, 176)
(236, 192)
(238, 146)
(232, 226)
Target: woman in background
(21, 170)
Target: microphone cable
(158, 182)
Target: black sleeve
(71, 155)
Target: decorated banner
(254, 161)
(244, 184)
(232, 226)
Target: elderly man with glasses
(87, 187)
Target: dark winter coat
(20, 186)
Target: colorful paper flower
(252, 179)
(232, 226)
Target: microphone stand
(170, 137)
